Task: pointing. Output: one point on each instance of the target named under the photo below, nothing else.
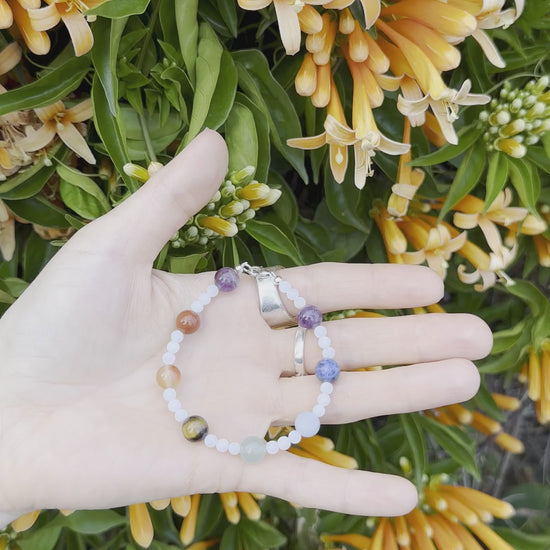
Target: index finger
(335, 286)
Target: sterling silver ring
(299, 341)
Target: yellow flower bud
(137, 172)
(223, 227)
(271, 198)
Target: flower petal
(80, 32)
(38, 42)
(289, 26)
(83, 111)
(6, 16)
(43, 19)
(312, 142)
(338, 161)
(489, 49)
(254, 4)
(37, 139)
(10, 57)
(75, 141)
(371, 9)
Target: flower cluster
(433, 241)
(234, 204)
(459, 415)
(31, 21)
(518, 118)
(28, 135)
(451, 517)
(405, 46)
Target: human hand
(83, 424)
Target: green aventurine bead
(252, 449)
(195, 428)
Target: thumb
(143, 223)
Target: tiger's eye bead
(194, 428)
(188, 322)
(168, 376)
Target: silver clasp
(258, 272)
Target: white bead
(168, 358)
(272, 447)
(307, 424)
(172, 347)
(212, 291)
(320, 331)
(323, 399)
(292, 294)
(329, 353)
(210, 440)
(204, 298)
(222, 445)
(176, 336)
(181, 415)
(234, 448)
(324, 342)
(284, 443)
(284, 286)
(294, 437)
(169, 394)
(299, 303)
(327, 387)
(196, 306)
(319, 410)
(174, 405)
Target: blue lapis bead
(327, 370)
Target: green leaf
(466, 178)
(90, 522)
(39, 210)
(207, 71)
(345, 201)
(530, 294)
(29, 181)
(107, 36)
(231, 539)
(110, 131)
(81, 194)
(273, 238)
(505, 339)
(262, 134)
(510, 359)
(287, 206)
(261, 87)
(241, 138)
(36, 255)
(260, 534)
(524, 541)
(39, 539)
(454, 441)
(224, 93)
(228, 11)
(415, 439)
(539, 157)
(115, 9)
(187, 264)
(526, 182)
(56, 84)
(497, 175)
(188, 32)
(467, 136)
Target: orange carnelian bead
(168, 376)
(188, 321)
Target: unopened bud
(246, 216)
(254, 191)
(241, 175)
(135, 171)
(272, 198)
(515, 127)
(154, 167)
(234, 208)
(405, 465)
(511, 147)
(220, 226)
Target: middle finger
(363, 342)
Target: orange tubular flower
(141, 525)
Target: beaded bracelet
(195, 427)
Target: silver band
(299, 344)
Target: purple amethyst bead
(226, 279)
(309, 317)
(327, 370)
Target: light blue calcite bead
(307, 424)
(252, 449)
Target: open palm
(83, 423)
